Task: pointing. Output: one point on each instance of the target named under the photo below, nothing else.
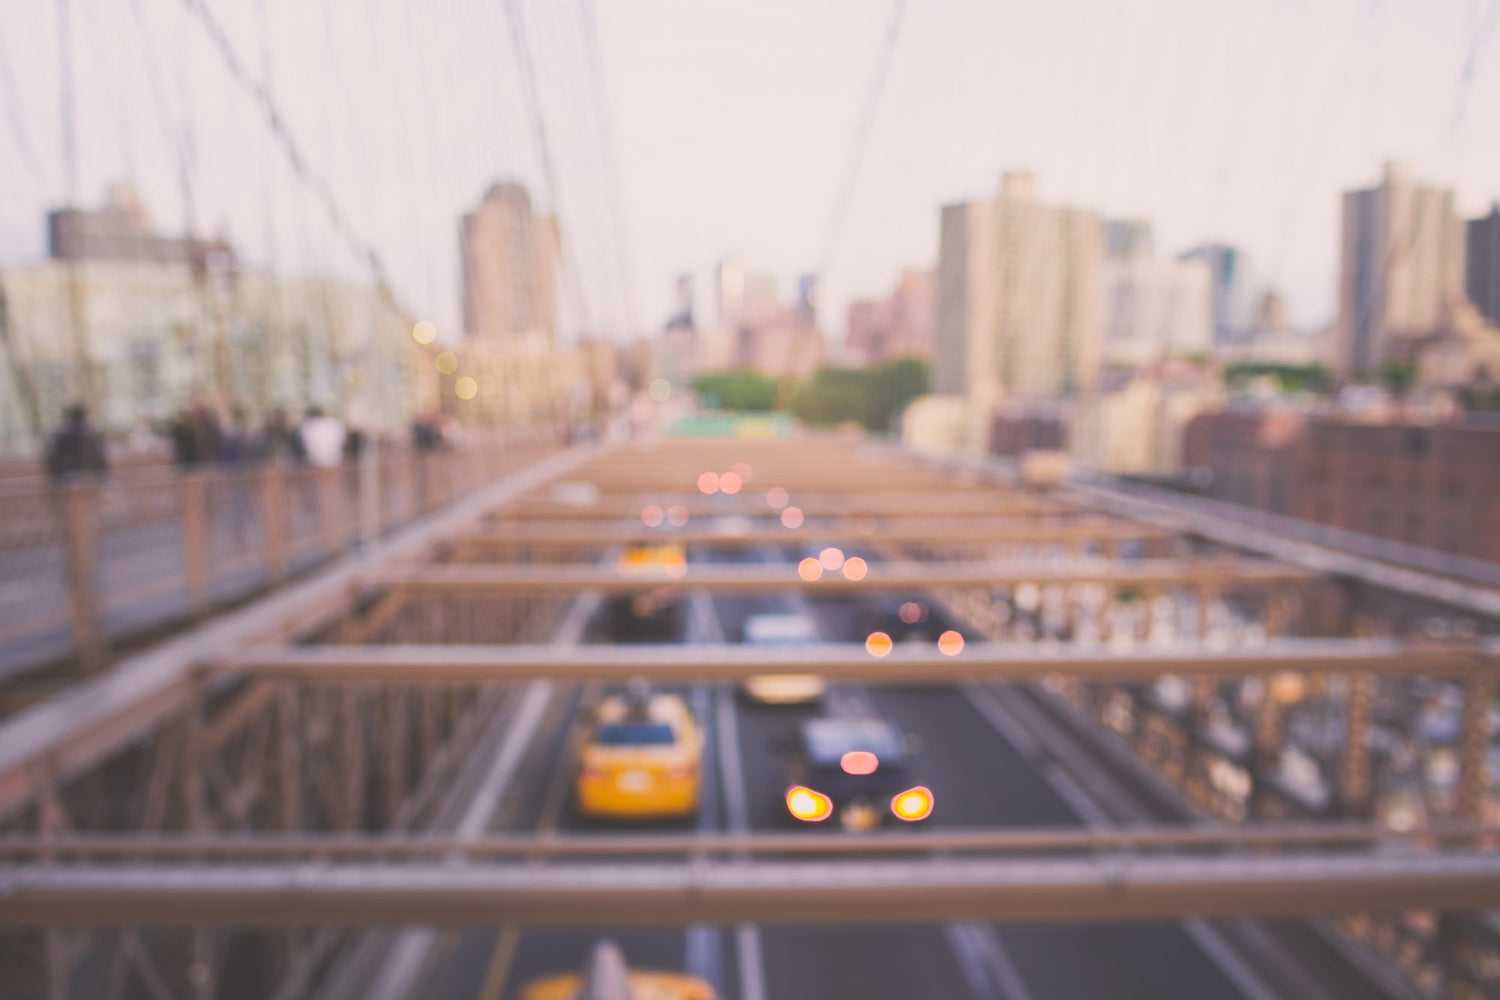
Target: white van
(780, 630)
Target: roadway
(979, 778)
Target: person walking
(76, 448)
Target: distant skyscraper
(1226, 267)
(899, 325)
(682, 311)
(1128, 238)
(744, 295)
(510, 268)
(1017, 298)
(807, 298)
(1156, 309)
(1401, 269)
(1483, 280)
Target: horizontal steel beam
(225, 848)
(938, 502)
(890, 891)
(766, 530)
(882, 577)
(907, 663)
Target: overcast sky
(732, 124)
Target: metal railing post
(80, 522)
(194, 491)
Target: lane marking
(506, 944)
(985, 963)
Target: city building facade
(1018, 312)
(1433, 485)
(509, 256)
(1482, 277)
(1401, 269)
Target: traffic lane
(482, 963)
(978, 778)
(860, 963)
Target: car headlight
(913, 804)
(808, 805)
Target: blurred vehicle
(855, 769)
(901, 618)
(782, 630)
(605, 976)
(1045, 468)
(640, 758)
(656, 614)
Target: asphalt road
(978, 779)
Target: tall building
(1155, 309)
(1401, 269)
(1017, 299)
(682, 309)
(745, 296)
(510, 269)
(901, 324)
(1226, 265)
(1483, 278)
(1128, 238)
(807, 298)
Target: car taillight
(913, 804)
(808, 805)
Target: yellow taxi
(655, 614)
(606, 977)
(654, 560)
(640, 758)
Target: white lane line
(737, 812)
(703, 956)
(1208, 940)
(408, 956)
(985, 963)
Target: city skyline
(1206, 141)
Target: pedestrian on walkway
(76, 448)
(322, 438)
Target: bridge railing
(86, 564)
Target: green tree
(1397, 375)
(743, 389)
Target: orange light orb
(950, 643)
(855, 568)
(708, 483)
(879, 644)
(810, 569)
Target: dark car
(902, 618)
(855, 771)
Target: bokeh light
(950, 643)
(913, 804)
(791, 517)
(810, 569)
(466, 388)
(660, 390)
(777, 497)
(730, 483)
(855, 568)
(677, 515)
(878, 644)
(743, 470)
(651, 516)
(446, 363)
(912, 612)
(708, 483)
(831, 558)
(424, 332)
